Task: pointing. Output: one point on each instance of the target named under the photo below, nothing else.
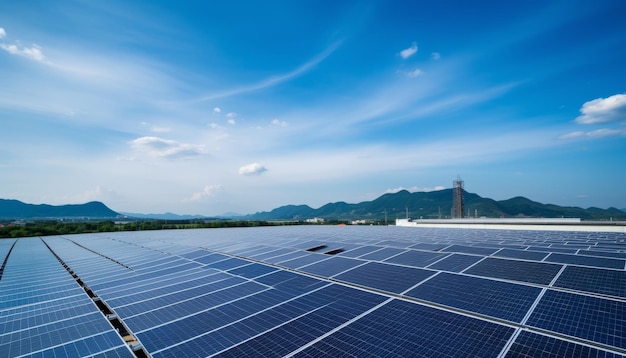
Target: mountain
(165, 216)
(432, 205)
(15, 209)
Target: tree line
(46, 228)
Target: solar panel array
(311, 291)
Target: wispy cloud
(217, 110)
(598, 133)
(34, 52)
(408, 52)
(231, 118)
(602, 110)
(435, 56)
(208, 191)
(277, 122)
(166, 148)
(15, 48)
(252, 169)
(416, 72)
(273, 81)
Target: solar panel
(586, 260)
(498, 299)
(382, 254)
(455, 262)
(529, 344)
(416, 258)
(403, 329)
(523, 271)
(331, 266)
(385, 277)
(392, 292)
(521, 254)
(607, 282)
(592, 318)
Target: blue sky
(208, 107)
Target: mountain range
(15, 209)
(427, 205)
(432, 205)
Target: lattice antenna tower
(457, 199)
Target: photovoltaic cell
(523, 271)
(416, 258)
(606, 282)
(552, 249)
(429, 246)
(382, 254)
(385, 277)
(332, 266)
(403, 329)
(587, 261)
(592, 318)
(493, 298)
(331, 307)
(529, 344)
(359, 251)
(252, 271)
(229, 264)
(522, 254)
(455, 262)
(617, 255)
(470, 250)
(209, 259)
(302, 261)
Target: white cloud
(598, 133)
(96, 194)
(208, 191)
(34, 53)
(276, 122)
(3, 33)
(408, 52)
(435, 55)
(604, 132)
(231, 118)
(415, 189)
(252, 169)
(275, 80)
(165, 148)
(416, 72)
(217, 109)
(602, 110)
(161, 129)
(572, 135)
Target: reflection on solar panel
(389, 291)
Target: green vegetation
(45, 228)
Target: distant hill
(165, 216)
(432, 205)
(15, 209)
